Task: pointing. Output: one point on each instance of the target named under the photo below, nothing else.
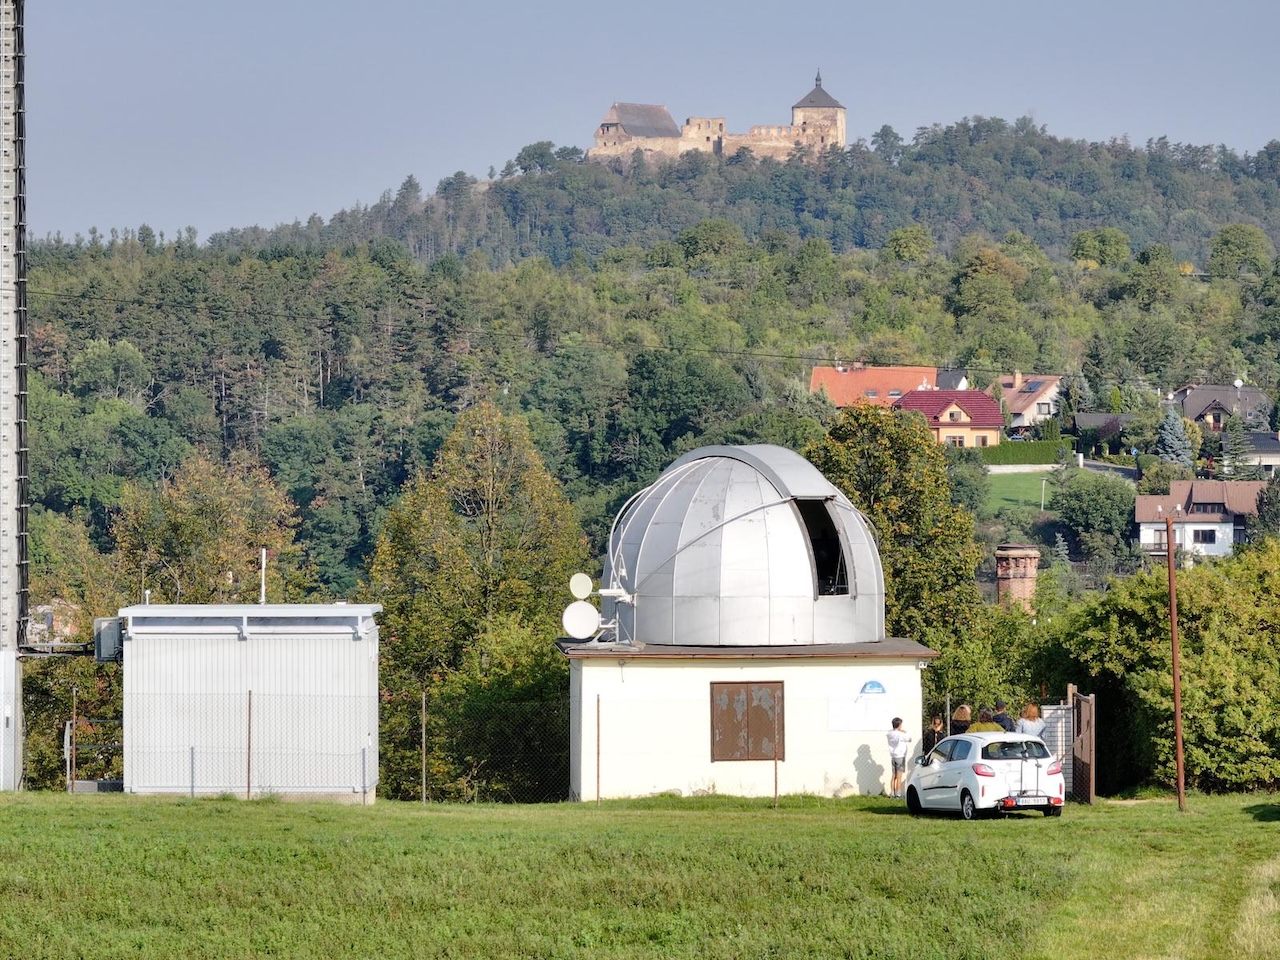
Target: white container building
(251, 700)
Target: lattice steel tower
(14, 606)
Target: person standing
(932, 736)
(961, 718)
(899, 743)
(1029, 721)
(986, 723)
(1002, 718)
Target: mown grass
(1016, 490)
(714, 877)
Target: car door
(952, 775)
(926, 780)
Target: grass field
(1016, 490)
(714, 877)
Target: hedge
(1026, 451)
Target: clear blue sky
(241, 112)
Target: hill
(979, 175)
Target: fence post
(75, 720)
(248, 753)
(775, 755)
(597, 749)
(364, 776)
(193, 773)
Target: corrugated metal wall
(276, 713)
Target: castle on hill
(817, 122)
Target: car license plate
(1031, 801)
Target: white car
(976, 772)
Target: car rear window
(1014, 750)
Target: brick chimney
(1016, 567)
(1017, 381)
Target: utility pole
(1177, 665)
(14, 598)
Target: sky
(259, 112)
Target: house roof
(1264, 441)
(1021, 392)
(981, 409)
(642, 120)
(878, 386)
(817, 97)
(1224, 498)
(953, 379)
(889, 647)
(1199, 399)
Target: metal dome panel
(744, 546)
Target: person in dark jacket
(932, 736)
(1002, 718)
(961, 719)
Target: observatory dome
(743, 546)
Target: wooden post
(597, 749)
(1177, 666)
(75, 722)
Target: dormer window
(955, 415)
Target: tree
(909, 244)
(1105, 247)
(487, 538)
(892, 470)
(197, 538)
(537, 157)
(1237, 452)
(1240, 248)
(1266, 523)
(1172, 445)
(1097, 509)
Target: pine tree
(1236, 452)
(1172, 444)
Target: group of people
(989, 719)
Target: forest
(325, 390)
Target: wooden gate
(1083, 774)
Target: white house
(743, 650)
(1209, 516)
(249, 700)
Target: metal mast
(14, 606)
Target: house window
(747, 721)
(1204, 536)
(982, 440)
(955, 415)
(1042, 409)
(873, 393)
(954, 441)
(895, 393)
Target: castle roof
(642, 120)
(818, 97)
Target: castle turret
(821, 116)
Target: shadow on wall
(869, 774)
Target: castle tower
(1016, 567)
(821, 116)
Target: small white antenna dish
(580, 620)
(580, 586)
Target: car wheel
(968, 809)
(1053, 810)
(913, 802)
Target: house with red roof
(1209, 516)
(847, 384)
(957, 418)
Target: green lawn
(1017, 490)
(713, 877)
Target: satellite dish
(580, 586)
(580, 620)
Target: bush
(1029, 451)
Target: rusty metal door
(1083, 780)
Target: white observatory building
(742, 647)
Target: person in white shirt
(899, 744)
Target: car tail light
(982, 770)
(1055, 768)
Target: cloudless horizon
(239, 113)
